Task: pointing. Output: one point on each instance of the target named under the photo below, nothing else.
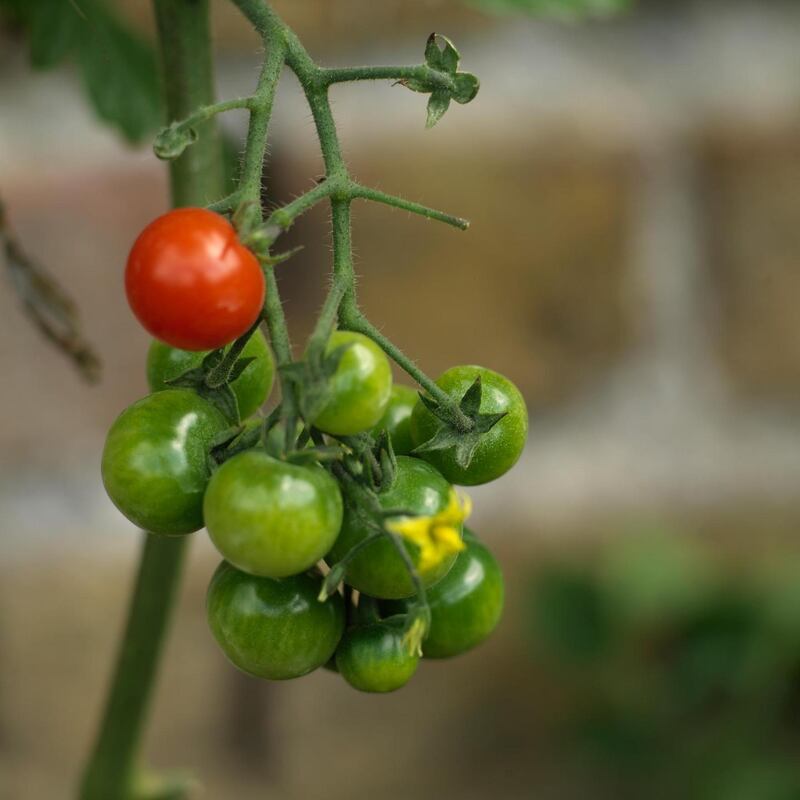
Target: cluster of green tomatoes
(342, 536)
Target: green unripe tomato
(499, 448)
(251, 388)
(275, 629)
(465, 605)
(359, 389)
(378, 569)
(373, 658)
(271, 518)
(397, 418)
(155, 460)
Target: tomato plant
(191, 282)
(274, 629)
(340, 497)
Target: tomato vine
(389, 527)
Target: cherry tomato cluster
(344, 548)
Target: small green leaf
(467, 86)
(438, 104)
(441, 54)
(170, 142)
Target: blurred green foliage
(679, 672)
(117, 67)
(564, 9)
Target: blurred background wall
(633, 264)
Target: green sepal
(471, 401)
(239, 366)
(311, 379)
(441, 54)
(387, 460)
(331, 582)
(191, 379)
(171, 141)
(467, 86)
(448, 436)
(233, 441)
(223, 398)
(315, 455)
(438, 103)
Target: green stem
(422, 73)
(315, 83)
(196, 177)
(205, 113)
(276, 320)
(285, 216)
(365, 193)
(352, 319)
(260, 113)
(111, 774)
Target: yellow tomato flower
(438, 536)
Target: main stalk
(196, 179)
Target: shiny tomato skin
(374, 658)
(251, 388)
(397, 418)
(190, 281)
(155, 461)
(360, 387)
(269, 517)
(273, 629)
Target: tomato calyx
(448, 436)
(311, 378)
(218, 370)
(446, 82)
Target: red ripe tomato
(191, 282)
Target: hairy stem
(421, 73)
(196, 177)
(352, 319)
(260, 113)
(365, 193)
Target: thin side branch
(48, 305)
(366, 193)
